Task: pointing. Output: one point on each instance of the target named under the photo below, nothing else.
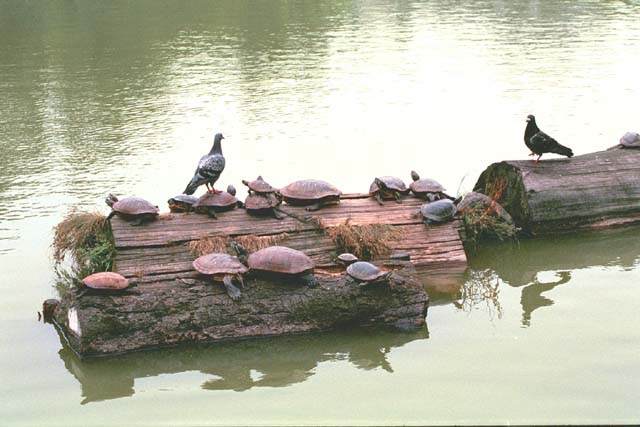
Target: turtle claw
(234, 293)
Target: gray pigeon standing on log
(209, 168)
(539, 142)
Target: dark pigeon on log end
(539, 142)
(209, 168)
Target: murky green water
(125, 96)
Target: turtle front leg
(240, 280)
(234, 293)
(212, 213)
(277, 214)
(398, 197)
(378, 198)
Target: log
(173, 304)
(171, 312)
(591, 191)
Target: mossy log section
(174, 304)
(591, 191)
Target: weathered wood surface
(177, 311)
(595, 190)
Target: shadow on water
(520, 265)
(237, 366)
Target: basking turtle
(428, 189)
(347, 258)
(473, 199)
(279, 261)
(366, 273)
(262, 199)
(630, 140)
(105, 282)
(388, 188)
(222, 268)
(181, 203)
(210, 203)
(312, 193)
(438, 211)
(132, 209)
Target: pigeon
(209, 168)
(539, 142)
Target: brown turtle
(262, 199)
(259, 185)
(347, 258)
(428, 189)
(222, 268)
(105, 282)
(210, 203)
(388, 188)
(312, 193)
(280, 262)
(132, 209)
(366, 273)
(182, 203)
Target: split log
(178, 311)
(595, 190)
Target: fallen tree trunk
(595, 190)
(197, 310)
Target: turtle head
(380, 183)
(241, 251)
(531, 118)
(415, 176)
(110, 200)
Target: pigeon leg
(538, 159)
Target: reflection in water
(238, 366)
(521, 264)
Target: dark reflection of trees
(239, 366)
(518, 264)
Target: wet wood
(596, 190)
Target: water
(125, 96)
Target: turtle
(438, 211)
(104, 282)
(262, 199)
(473, 199)
(182, 203)
(347, 258)
(630, 140)
(231, 189)
(223, 268)
(366, 273)
(259, 185)
(312, 193)
(210, 203)
(278, 261)
(387, 188)
(132, 208)
(428, 189)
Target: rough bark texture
(595, 190)
(174, 304)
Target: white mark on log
(73, 322)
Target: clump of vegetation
(85, 240)
(369, 241)
(251, 243)
(481, 221)
(481, 287)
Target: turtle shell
(347, 258)
(259, 185)
(630, 140)
(365, 271)
(261, 201)
(134, 206)
(216, 200)
(439, 211)
(219, 263)
(280, 259)
(106, 280)
(309, 190)
(184, 198)
(426, 185)
(394, 183)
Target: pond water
(124, 97)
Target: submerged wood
(174, 304)
(596, 190)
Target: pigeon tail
(192, 187)
(562, 150)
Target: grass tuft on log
(251, 243)
(367, 242)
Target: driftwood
(595, 190)
(172, 303)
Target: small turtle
(134, 209)
(210, 203)
(279, 261)
(222, 268)
(366, 273)
(473, 199)
(438, 211)
(428, 189)
(630, 140)
(231, 190)
(104, 282)
(181, 203)
(388, 188)
(347, 258)
(262, 199)
(259, 185)
(312, 193)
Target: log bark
(170, 312)
(596, 190)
